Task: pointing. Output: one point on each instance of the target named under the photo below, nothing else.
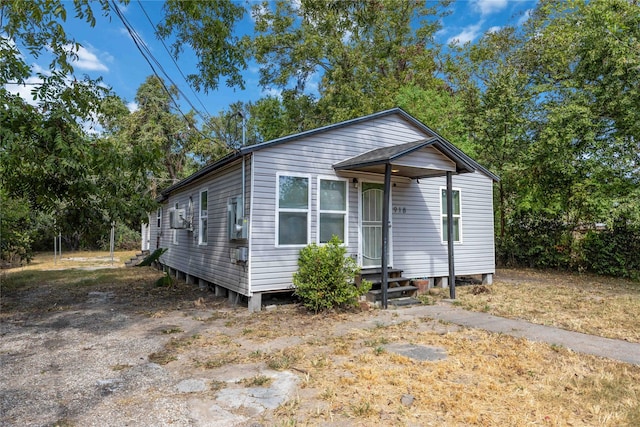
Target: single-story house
(379, 182)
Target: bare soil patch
(108, 347)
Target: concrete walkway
(582, 343)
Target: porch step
(391, 281)
(392, 293)
(369, 273)
(374, 275)
(137, 259)
(401, 302)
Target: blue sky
(109, 51)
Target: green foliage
(536, 239)
(15, 236)
(544, 107)
(153, 257)
(165, 281)
(325, 277)
(157, 136)
(74, 178)
(37, 27)
(438, 108)
(364, 51)
(126, 239)
(614, 251)
(207, 27)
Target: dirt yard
(107, 347)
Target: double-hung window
(203, 217)
(332, 212)
(159, 218)
(293, 199)
(457, 215)
(175, 232)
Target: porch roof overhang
(375, 161)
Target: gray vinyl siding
(428, 157)
(210, 262)
(273, 267)
(417, 243)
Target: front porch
(422, 159)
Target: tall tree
(547, 110)
(51, 160)
(159, 135)
(207, 27)
(496, 95)
(358, 53)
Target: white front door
(372, 201)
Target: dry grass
(487, 379)
(80, 259)
(349, 376)
(39, 288)
(594, 305)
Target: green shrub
(126, 239)
(15, 237)
(325, 277)
(535, 239)
(614, 251)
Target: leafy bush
(533, 239)
(15, 238)
(126, 239)
(325, 277)
(614, 251)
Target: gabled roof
(447, 148)
(375, 160)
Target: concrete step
(391, 281)
(137, 259)
(401, 302)
(392, 293)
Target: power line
(174, 62)
(146, 53)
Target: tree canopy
(551, 106)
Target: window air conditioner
(177, 219)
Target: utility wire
(149, 57)
(144, 50)
(175, 62)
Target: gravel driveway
(89, 363)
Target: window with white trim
(204, 217)
(457, 215)
(159, 218)
(332, 209)
(175, 232)
(292, 205)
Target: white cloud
(88, 60)
(525, 16)
(24, 90)
(346, 37)
(276, 93)
(468, 34)
(493, 29)
(487, 7)
(258, 11)
(132, 106)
